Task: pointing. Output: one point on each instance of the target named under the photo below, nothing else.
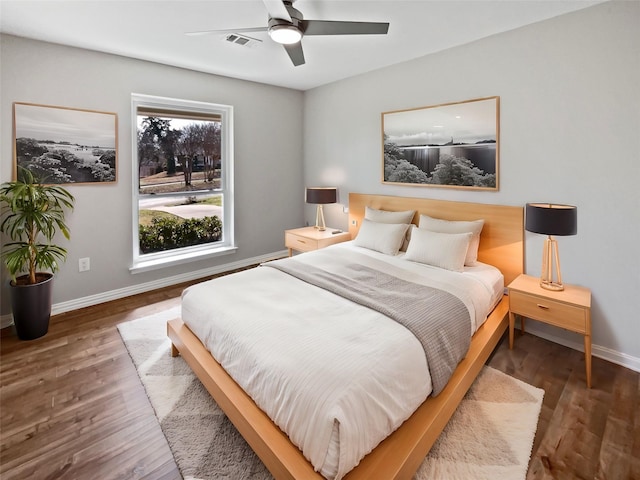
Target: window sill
(179, 258)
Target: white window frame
(152, 261)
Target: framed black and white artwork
(453, 145)
(65, 145)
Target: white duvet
(337, 377)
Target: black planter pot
(31, 306)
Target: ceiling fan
(287, 26)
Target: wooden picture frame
(62, 145)
(454, 145)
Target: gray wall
(569, 124)
(268, 149)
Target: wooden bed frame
(400, 455)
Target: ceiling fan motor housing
(285, 32)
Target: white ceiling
(154, 30)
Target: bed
(399, 455)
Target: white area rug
(489, 437)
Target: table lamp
(551, 219)
(321, 196)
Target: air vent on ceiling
(242, 40)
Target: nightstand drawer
(300, 243)
(548, 311)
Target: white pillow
(444, 250)
(385, 216)
(381, 237)
(449, 226)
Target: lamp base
(320, 226)
(553, 286)
(551, 278)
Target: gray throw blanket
(437, 318)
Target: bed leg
(174, 351)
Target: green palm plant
(33, 212)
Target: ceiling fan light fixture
(286, 34)
(286, 25)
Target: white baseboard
(6, 320)
(58, 308)
(613, 356)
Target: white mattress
(337, 377)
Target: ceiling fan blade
(295, 53)
(328, 27)
(277, 9)
(227, 30)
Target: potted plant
(32, 213)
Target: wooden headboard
(501, 240)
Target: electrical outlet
(354, 223)
(84, 264)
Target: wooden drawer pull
(301, 241)
(544, 307)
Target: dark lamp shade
(321, 195)
(550, 219)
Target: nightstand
(307, 239)
(569, 309)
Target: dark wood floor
(72, 406)
(582, 433)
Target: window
(182, 181)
